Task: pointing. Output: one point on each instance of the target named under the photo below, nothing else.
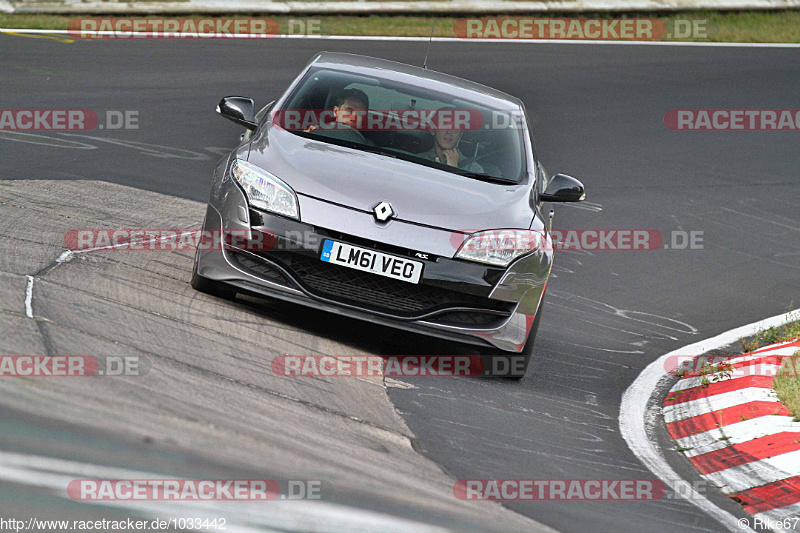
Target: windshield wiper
(456, 170)
(484, 177)
(347, 143)
(376, 150)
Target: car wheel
(209, 286)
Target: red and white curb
(738, 435)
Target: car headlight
(265, 191)
(499, 247)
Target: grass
(783, 333)
(787, 384)
(712, 374)
(787, 381)
(772, 335)
(746, 26)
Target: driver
(349, 105)
(445, 150)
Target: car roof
(401, 72)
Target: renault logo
(383, 211)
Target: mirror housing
(240, 110)
(563, 188)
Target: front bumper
(456, 300)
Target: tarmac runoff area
(208, 404)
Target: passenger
(445, 150)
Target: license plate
(372, 261)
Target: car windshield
(407, 122)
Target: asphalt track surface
(598, 115)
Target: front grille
(377, 292)
(471, 319)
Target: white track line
(701, 406)
(640, 407)
(714, 362)
(67, 255)
(756, 473)
(224, 37)
(29, 298)
(747, 430)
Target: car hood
(360, 180)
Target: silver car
(393, 194)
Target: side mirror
(563, 188)
(240, 110)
